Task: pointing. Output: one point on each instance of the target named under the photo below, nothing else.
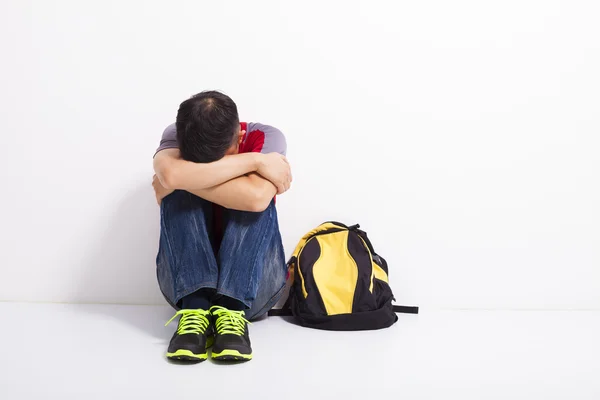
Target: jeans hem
(187, 292)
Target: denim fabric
(249, 264)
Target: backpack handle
(364, 237)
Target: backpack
(339, 282)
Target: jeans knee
(183, 199)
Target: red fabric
(253, 142)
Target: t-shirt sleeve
(169, 139)
(264, 139)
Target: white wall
(463, 136)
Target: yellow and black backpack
(339, 282)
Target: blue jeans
(248, 264)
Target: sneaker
(193, 336)
(232, 342)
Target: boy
(220, 260)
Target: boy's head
(208, 127)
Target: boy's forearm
(175, 173)
(245, 193)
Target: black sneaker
(232, 342)
(192, 338)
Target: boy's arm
(245, 193)
(176, 173)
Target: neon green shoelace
(229, 321)
(192, 321)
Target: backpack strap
(286, 311)
(365, 238)
(406, 309)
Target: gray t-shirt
(259, 138)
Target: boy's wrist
(258, 161)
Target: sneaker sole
(186, 355)
(231, 355)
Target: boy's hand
(275, 168)
(159, 190)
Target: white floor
(57, 351)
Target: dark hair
(207, 124)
